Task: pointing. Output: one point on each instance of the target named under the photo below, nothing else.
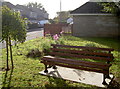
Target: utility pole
(60, 12)
(60, 6)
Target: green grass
(26, 70)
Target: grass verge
(26, 70)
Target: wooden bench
(88, 58)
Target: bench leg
(46, 71)
(54, 67)
(104, 82)
(108, 76)
(49, 66)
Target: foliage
(13, 25)
(56, 20)
(51, 21)
(35, 5)
(31, 4)
(35, 53)
(58, 38)
(26, 71)
(13, 28)
(63, 16)
(112, 7)
(0, 23)
(46, 44)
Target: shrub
(34, 53)
(46, 45)
(60, 41)
(58, 38)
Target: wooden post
(7, 54)
(44, 31)
(11, 52)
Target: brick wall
(95, 26)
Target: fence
(53, 29)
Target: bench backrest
(102, 54)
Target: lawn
(26, 69)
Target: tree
(35, 5)
(13, 28)
(0, 21)
(56, 19)
(112, 7)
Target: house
(41, 13)
(33, 14)
(91, 21)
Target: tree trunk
(7, 54)
(11, 52)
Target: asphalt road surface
(34, 33)
(31, 34)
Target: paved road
(34, 33)
(31, 34)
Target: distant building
(33, 14)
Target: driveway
(31, 34)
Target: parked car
(42, 22)
(70, 21)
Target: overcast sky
(53, 6)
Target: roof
(89, 8)
(8, 4)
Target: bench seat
(77, 64)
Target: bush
(60, 41)
(34, 53)
(46, 45)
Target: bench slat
(82, 47)
(80, 56)
(76, 67)
(83, 52)
(103, 54)
(75, 63)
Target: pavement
(31, 34)
(79, 76)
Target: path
(31, 34)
